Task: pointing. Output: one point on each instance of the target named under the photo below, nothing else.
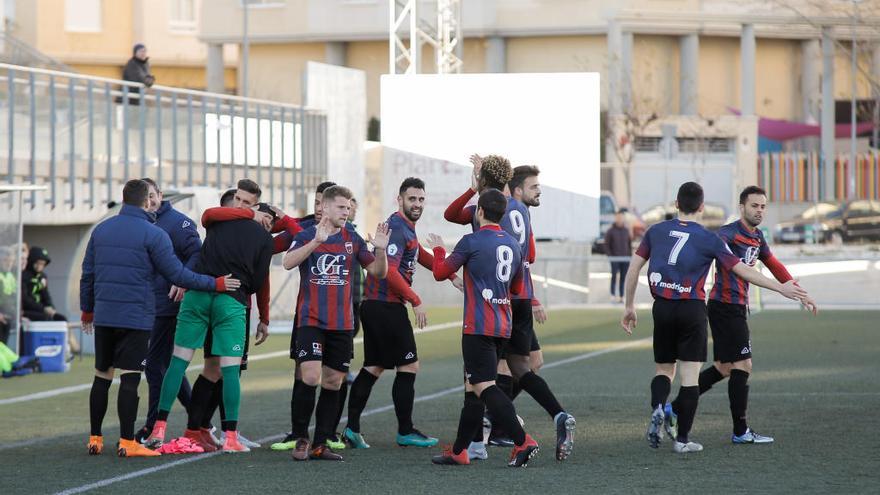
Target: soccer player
(493, 270)
(326, 254)
(495, 172)
(679, 253)
(389, 341)
(187, 244)
(728, 309)
(289, 440)
(118, 304)
(244, 248)
(240, 205)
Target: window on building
(82, 16)
(182, 15)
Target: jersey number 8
(505, 263)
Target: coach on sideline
(119, 305)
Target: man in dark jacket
(618, 244)
(186, 243)
(137, 69)
(118, 304)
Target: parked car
(713, 218)
(833, 222)
(607, 209)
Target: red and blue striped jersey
(679, 255)
(326, 279)
(492, 270)
(749, 246)
(402, 253)
(517, 222)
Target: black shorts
(522, 333)
(680, 330)
(481, 354)
(121, 348)
(331, 347)
(731, 339)
(209, 341)
(388, 335)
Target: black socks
(127, 404)
(302, 409)
(202, 399)
(738, 392)
(98, 398)
(403, 393)
(469, 422)
(325, 414)
(503, 412)
(708, 377)
(505, 383)
(688, 398)
(343, 393)
(660, 387)
(357, 400)
(535, 386)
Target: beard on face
(412, 214)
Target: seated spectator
(36, 302)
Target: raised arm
(458, 212)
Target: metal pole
(52, 163)
(283, 165)
(142, 134)
(851, 173)
(159, 128)
(245, 48)
(33, 136)
(174, 138)
(125, 101)
(90, 90)
(20, 270)
(259, 147)
(71, 122)
(189, 139)
(271, 154)
(10, 125)
(109, 138)
(219, 178)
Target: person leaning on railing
(137, 69)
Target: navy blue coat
(186, 243)
(122, 258)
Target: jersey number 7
(682, 238)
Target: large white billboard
(548, 120)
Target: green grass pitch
(814, 388)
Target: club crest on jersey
(392, 249)
(751, 256)
(349, 248)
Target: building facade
(96, 37)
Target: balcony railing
(84, 136)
